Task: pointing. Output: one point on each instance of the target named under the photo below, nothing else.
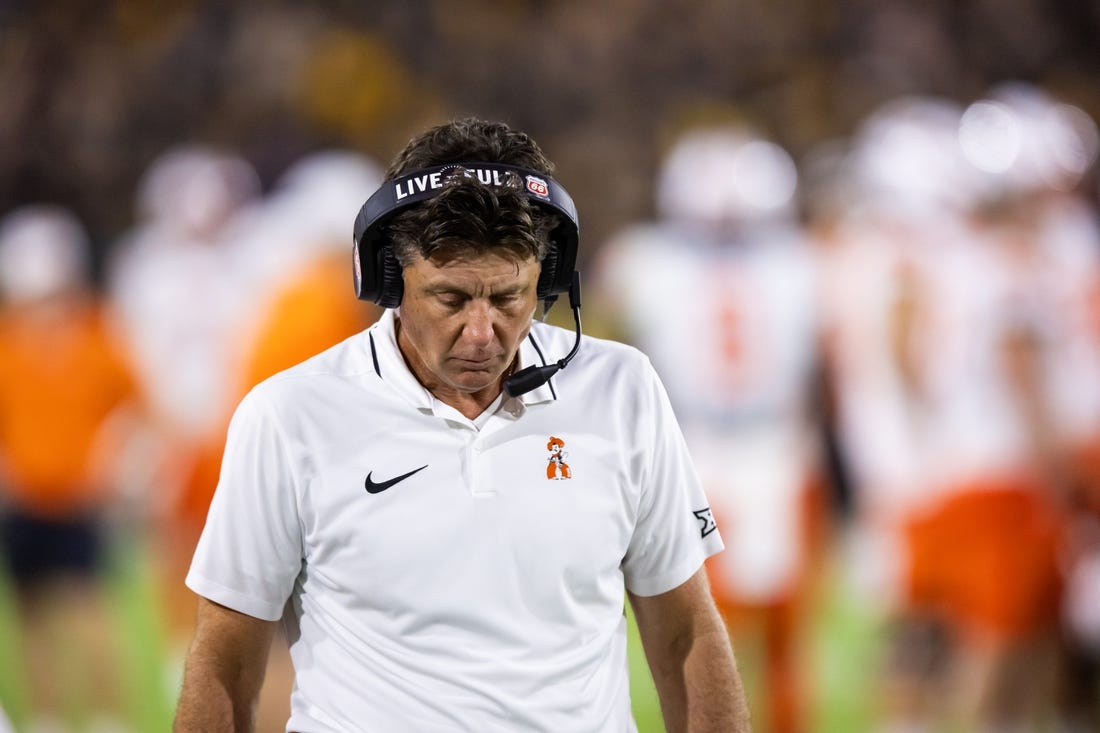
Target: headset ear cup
(391, 285)
(548, 275)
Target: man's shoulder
(602, 370)
(556, 341)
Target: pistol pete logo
(556, 467)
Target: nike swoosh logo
(378, 488)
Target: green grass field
(839, 658)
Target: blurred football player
(1034, 151)
(935, 338)
(720, 293)
(65, 391)
(176, 284)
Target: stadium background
(92, 93)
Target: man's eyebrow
(434, 288)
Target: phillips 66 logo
(537, 186)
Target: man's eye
(506, 300)
(451, 300)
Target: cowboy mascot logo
(556, 468)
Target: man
(463, 589)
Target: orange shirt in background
(316, 310)
(60, 378)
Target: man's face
(462, 321)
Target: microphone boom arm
(533, 377)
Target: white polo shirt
(480, 586)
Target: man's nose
(478, 328)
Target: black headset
(377, 273)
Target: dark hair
(469, 217)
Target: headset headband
(374, 273)
(413, 188)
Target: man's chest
(418, 513)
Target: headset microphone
(533, 377)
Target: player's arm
(224, 671)
(690, 657)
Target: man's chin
(476, 381)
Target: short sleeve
(250, 551)
(675, 532)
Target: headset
(376, 271)
(378, 276)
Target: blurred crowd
(92, 92)
(877, 312)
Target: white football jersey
(182, 312)
(1069, 249)
(865, 285)
(919, 320)
(731, 327)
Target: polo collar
(390, 366)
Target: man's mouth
(485, 363)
